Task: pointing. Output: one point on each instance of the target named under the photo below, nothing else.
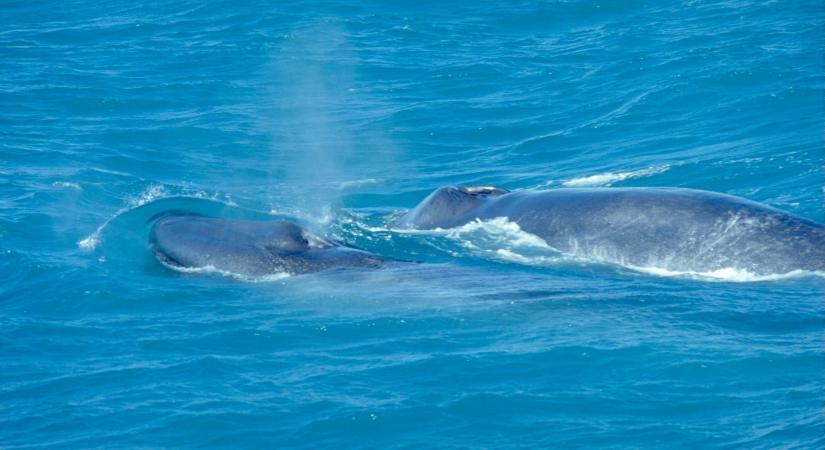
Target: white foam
(606, 179)
(502, 240)
(153, 192)
(383, 229)
(730, 274)
(502, 229)
(67, 185)
(534, 260)
(212, 270)
(226, 199)
(498, 239)
(91, 241)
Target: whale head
(191, 241)
(248, 248)
(449, 206)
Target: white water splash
(606, 179)
(500, 229)
(152, 193)
(497, 239)
(226, 199)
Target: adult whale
(667, 228)
(248, 248)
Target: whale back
(679, 230)
(449, 206)
(667, 228)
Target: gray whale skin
(668, 228)
(248, 248)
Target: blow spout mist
(309, 89)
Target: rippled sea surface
(342, 115)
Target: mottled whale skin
(668, 228)
(248, 248)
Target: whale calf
(248, 248)
(668, 228)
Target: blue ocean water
(342, 115)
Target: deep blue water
(342, 116)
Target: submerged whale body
(666, 228)
(248, 248)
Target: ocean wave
(153, 192)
